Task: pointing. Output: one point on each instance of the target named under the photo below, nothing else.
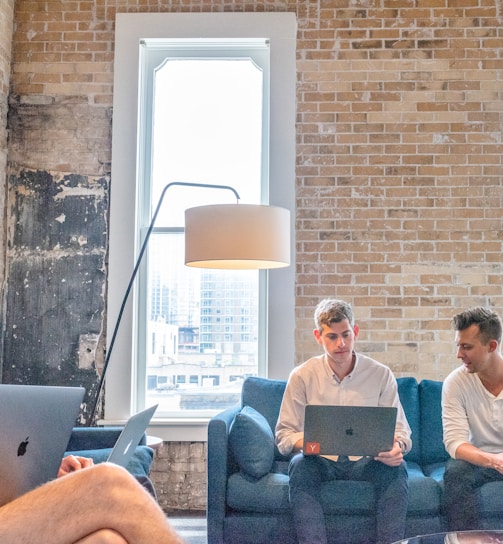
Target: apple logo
(21, 450)
(349, 431)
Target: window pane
(207, 129)
(202, 333)
(201, 330)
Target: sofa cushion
(432, 446)
(265, 396)
(424, 492)
(409, 398)
(252, 442)
(139, 465)
(269, 495)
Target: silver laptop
(35, 426)
(348, 430)
(130, 437)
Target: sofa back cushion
(409, 397)
(430, 401)
(265, 396)
(251, 441)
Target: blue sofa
(248, 478)
(97, 443)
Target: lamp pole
(143, 248)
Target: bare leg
(80, 505)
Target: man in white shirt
(342, 376)
(472, 415)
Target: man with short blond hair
(342, 376)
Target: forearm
(470, 453)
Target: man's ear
(493, 345)
(356, 330)
(317, 335)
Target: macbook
(130, 437)
(35, 426)
(348, 430)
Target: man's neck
(341, 370)
(492, 377)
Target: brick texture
(399, 160)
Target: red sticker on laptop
(312, 448)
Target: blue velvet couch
(248, 480)
(97, 443)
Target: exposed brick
(399, 161)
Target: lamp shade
(237, 236)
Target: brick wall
(399, 168)
(179, 475)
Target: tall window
(208, 98)
(204, 119)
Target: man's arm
(456, 427)
(472, 454)
(289, 432)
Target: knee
(388, 475)
(109, 476)
(304, 469)
(457, 471)
(297, 465)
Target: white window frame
(280, 29)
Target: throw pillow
(252, 442)
(139, 465)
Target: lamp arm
(143, 248)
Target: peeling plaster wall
(57, 193)
(57, 234)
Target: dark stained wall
(56, 278)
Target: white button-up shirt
(369, 384)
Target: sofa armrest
(95, 438)
(219, 468)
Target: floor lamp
(226, 236)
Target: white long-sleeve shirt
(470, 413)
(369, 384)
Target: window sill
(173, 430)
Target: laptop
(35, 426)
(348, 430)
(130, 437)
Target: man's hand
(392, 458)
(497, 462)
(71, 463)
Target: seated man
(342, 376)
(86, 504)
(472, 397)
